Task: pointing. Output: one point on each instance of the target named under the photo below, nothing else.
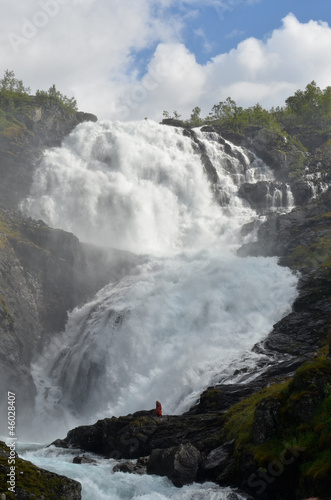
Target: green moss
(267, 452)
(315, 255)
(238, 421)
(308, 374)
(30, 478)
(297, 168)
(316, 475)
(310, 441)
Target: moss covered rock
(282, 437)
(32, 483)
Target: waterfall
(190, 312)
(289, 198)
(277, 198)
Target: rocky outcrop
(220, 397)
(133, 437)
(283, 234)
(271, 147)
(263, 195)
(31, 482)
(172, 446)
(42, 124)
(302, 240)
(180, 463)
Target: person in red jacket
(158, 409)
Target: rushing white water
(99, 483)
(188, 315)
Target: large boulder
(218, 464)
(180, 463)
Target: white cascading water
(188, 315)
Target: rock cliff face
(44, 273)
(44, 125)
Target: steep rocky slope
(23, 139)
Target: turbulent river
(184, 317)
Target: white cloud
(267, 71)
(88, 48)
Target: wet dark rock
(261, 195)
(59, 443)
(134, 437)
(302, 192)
(83, 460)
(173, 122)
(266, 420)
(220, 397)
(300, 332)
(180, 464)
(218, 463)
(270, 147)
(137, 467)
(143, 413)
(124, 467)
(301, 239)
(281, 234)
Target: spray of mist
(189, 314)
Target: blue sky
(225, 28)
(127, 60)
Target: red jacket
(158, 410)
